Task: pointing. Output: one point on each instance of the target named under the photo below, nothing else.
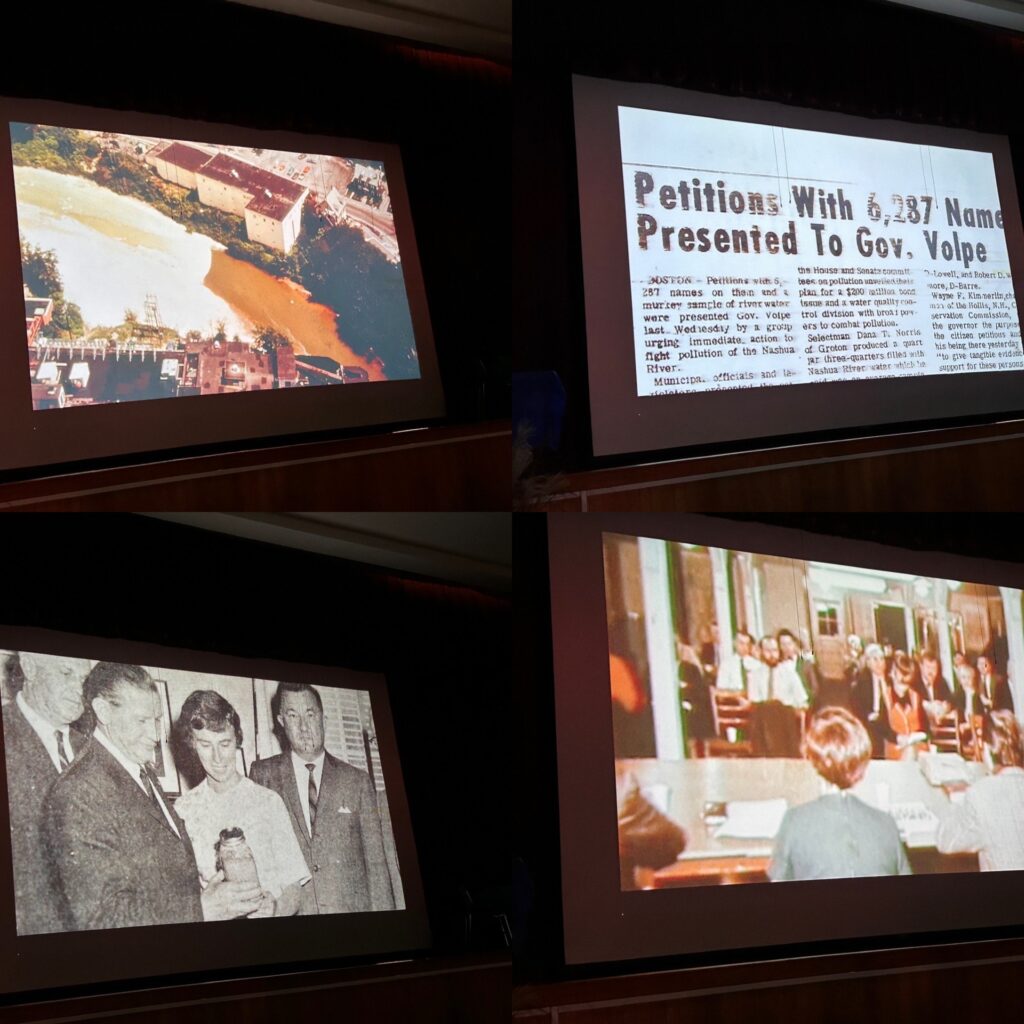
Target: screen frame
(603, 924)
(71, 435)
(623, 424)
(71, 959)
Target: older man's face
(133, 721)
(53, 686)
(929, 671)
(303, 722)
(741, 644)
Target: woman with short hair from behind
(837, 835)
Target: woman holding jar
(225, 801)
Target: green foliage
(345, 273)
(267, 340)
(56, 149)
(67, 319)
(40, 271)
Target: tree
(268, 341)
(40, 271)
(67, 318)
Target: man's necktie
(311, 768)
(743, 676)
(62, 754)
(148, 787)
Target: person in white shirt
(741, 671)
(209, 728)
(780, 681)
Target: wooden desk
(692, 783)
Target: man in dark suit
(122, 855)
(993, 687)
(932, 685)
(39, 743)
(333, 808)
(869, 699)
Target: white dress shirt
(46, 732)
(779, 682)
(133, 769)
(302, 774)
(739, 675)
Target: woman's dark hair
(207, 709)
(905, 666)
(202, 709)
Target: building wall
(172, 172)
(219, 194)
(266, 230)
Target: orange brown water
(260, 298)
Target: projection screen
(173, 283)
(753, 270)
(767, 737)
(176, 812)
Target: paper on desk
(915, 822)
(752, 819)
(942, 769)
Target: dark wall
(443, 649)
(222, 62)
(867, 58)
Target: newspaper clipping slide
(762, 256)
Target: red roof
(182, 155)
(252, 178)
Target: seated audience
(853, 658)
(993, 687)
(935, 692)
(694, 695)
(971, 709)
(990, 821)
(837, 835)
(904, 708)
(802, 662)
(780, 682)
(737, 672)
(778, 698)
(867, 698)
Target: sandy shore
(259, 298)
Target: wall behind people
(445, 651)
(865, 58)
(223, 62)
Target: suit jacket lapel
(330, 796)
(133, 792)
(288, 787)
(29, 738)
